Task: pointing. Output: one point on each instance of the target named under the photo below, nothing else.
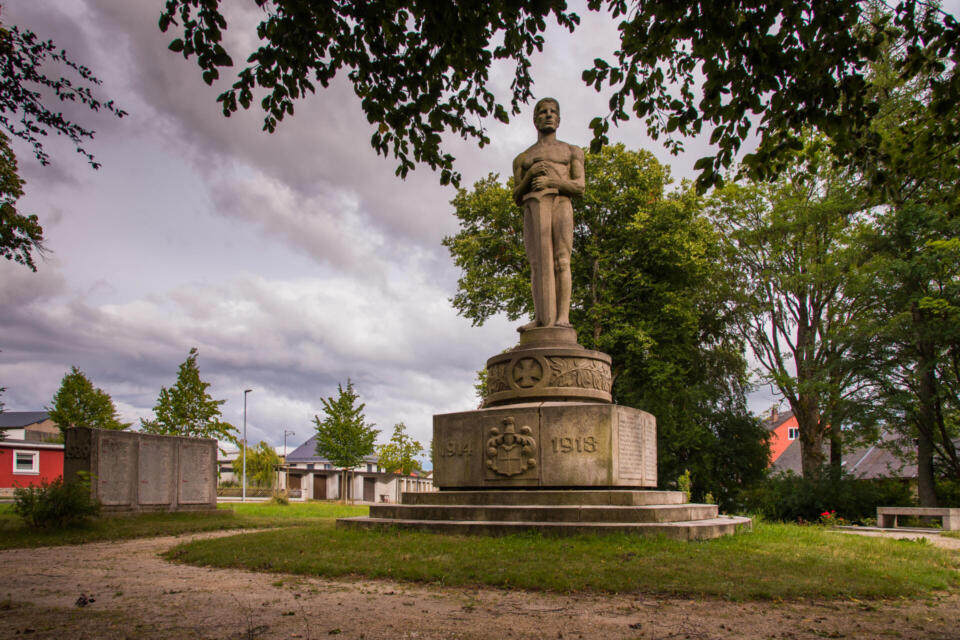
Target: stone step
(691, 530)
(546, 513)
(618, 497)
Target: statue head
(546, 114)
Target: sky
(292, 261)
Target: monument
(548, 450)
(133, 472)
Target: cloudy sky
(292, 261)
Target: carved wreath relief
(583, 373)
(511, 453)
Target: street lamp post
(285, 434)
(244, 478)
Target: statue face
(547, 116)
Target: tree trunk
(926, 423)
(836, 452)
(811, 436)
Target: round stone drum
(548, 373)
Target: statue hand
(542, 182)
(540, 168)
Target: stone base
(646, 513)
(551, 444)
(548, 364)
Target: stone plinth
(548, 364)
(645, 513)
(553, 444)
(133, 471)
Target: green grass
(15, 534)
(951, 534)
(775, 561)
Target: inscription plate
(117, 470)
(636, 435)
(197, 463)
(156, 467)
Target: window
(369, 468)
(26, 462)
(328, 466)
(310, 465)
(793, 433)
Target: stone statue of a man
(546, 176)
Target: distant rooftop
(307, 453)
(20, 419)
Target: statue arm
(521, 180)
(575, 186)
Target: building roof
(770, 422)
(20, 419)
(25, 444)
(868, 463)
(307, 453)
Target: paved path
(138, 595)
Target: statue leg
(562, 247)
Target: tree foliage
(343, 436)
(20, 235)
(187, 409)
(26, 112)
(401, 454)
(912, 278)
(262, 463)
(649, 290)
(421, 67)
(77, 403)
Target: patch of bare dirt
(122, 590)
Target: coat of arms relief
(510, 453)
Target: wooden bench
(887, 516)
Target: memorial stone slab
(133, 471)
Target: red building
(783, 431)
(23, 464)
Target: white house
(310, 476)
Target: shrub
(280, 497)
(948, 492)
(788, 497)
(55, 505)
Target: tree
(792, 254)
(421, 68)
(648, 289)
(913, 275)
(343, 436)
(262, 463)
(77, 403)
(186, 409)
(24, 87)
(401, 453)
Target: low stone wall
(133, 471)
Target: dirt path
(138, 595)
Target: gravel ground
(123, 590)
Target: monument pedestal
(502, 512)
(545, 444)
(548, 452)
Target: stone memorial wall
(133, 471)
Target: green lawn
(13, 533)
(775, 561)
